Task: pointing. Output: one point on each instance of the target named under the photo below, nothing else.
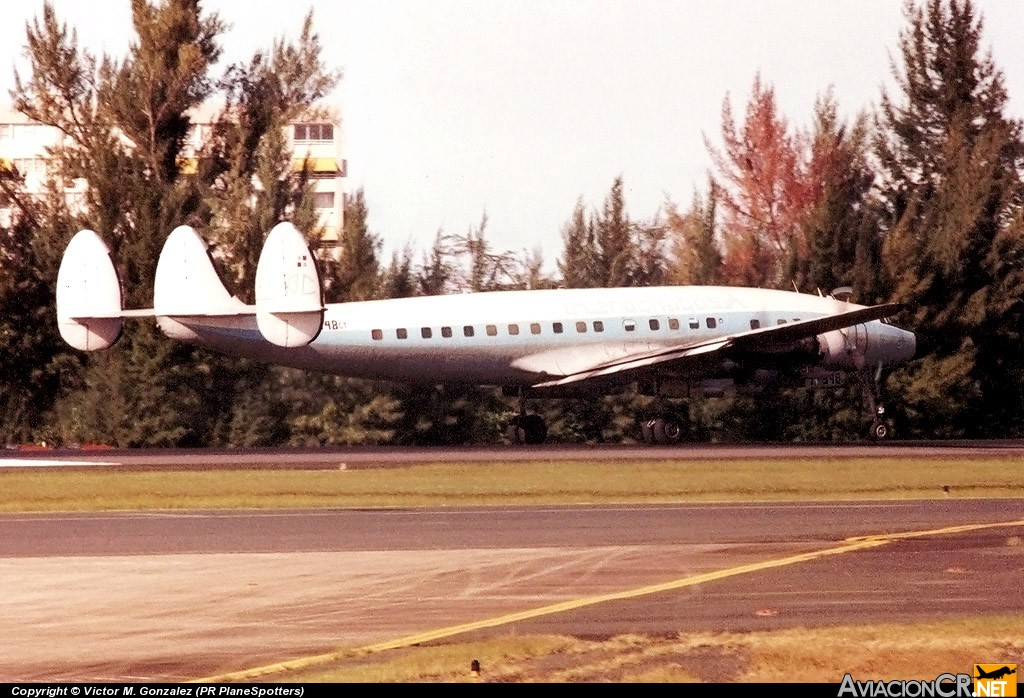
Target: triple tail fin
(289, 295)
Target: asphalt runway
(156, 596)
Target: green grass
(524, 483)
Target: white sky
(519, 107)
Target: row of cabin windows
(556, 328)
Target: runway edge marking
(849, 545)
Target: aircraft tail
(289, 297)
(89, 312)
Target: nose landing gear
(872, 391)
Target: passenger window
(712, 323)
(556, 327)
(446, 331)
(598, 326)
(629, 325)
(426, 333)
(781, 322)
(654, 324)
(468, 330)
(694, 323)
(673, 323)
(401, 333)
(534, 328)
(513, 329)
(492, 330)
(581, 326)
(377, 334)
(755, 324)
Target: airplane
(994, 674)
(668, 340)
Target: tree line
(917, 201)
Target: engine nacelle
(845, 348)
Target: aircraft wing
(766, 340)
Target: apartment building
(315, 143)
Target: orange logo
(995, 680)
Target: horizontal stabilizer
(88, 294)
(289, 297)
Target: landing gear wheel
(879, 431)
(527, 429)
(667, 430)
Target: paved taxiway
(158, 596)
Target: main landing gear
(526, 428)
(666, 429)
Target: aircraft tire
(667, 430)
(535, 431)
(879, 431)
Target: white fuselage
(523, 337)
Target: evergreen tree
(840, 225)
(356, 275)
(578, 264)
(950, 160)
(615, 253)
(125, 124)
(695, 257)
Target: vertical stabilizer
(88, 294)
(289, 298)
(187, 285)
(186, 280)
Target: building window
(314, 132)
(402, 333)
(446, 332)
(492, 330)
(468, 330)
(654, 324)
(556, 327)
(513, 329)
(377, 334)
(426, 333)
(598, 326)
(323, 199)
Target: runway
(171, 596)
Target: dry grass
(882, 652)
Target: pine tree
(577, 265)
(950, 161)
(695, 257)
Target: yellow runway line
(850, 545)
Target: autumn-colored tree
(764, 191)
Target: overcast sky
(520, 107)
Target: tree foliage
(920, 202)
